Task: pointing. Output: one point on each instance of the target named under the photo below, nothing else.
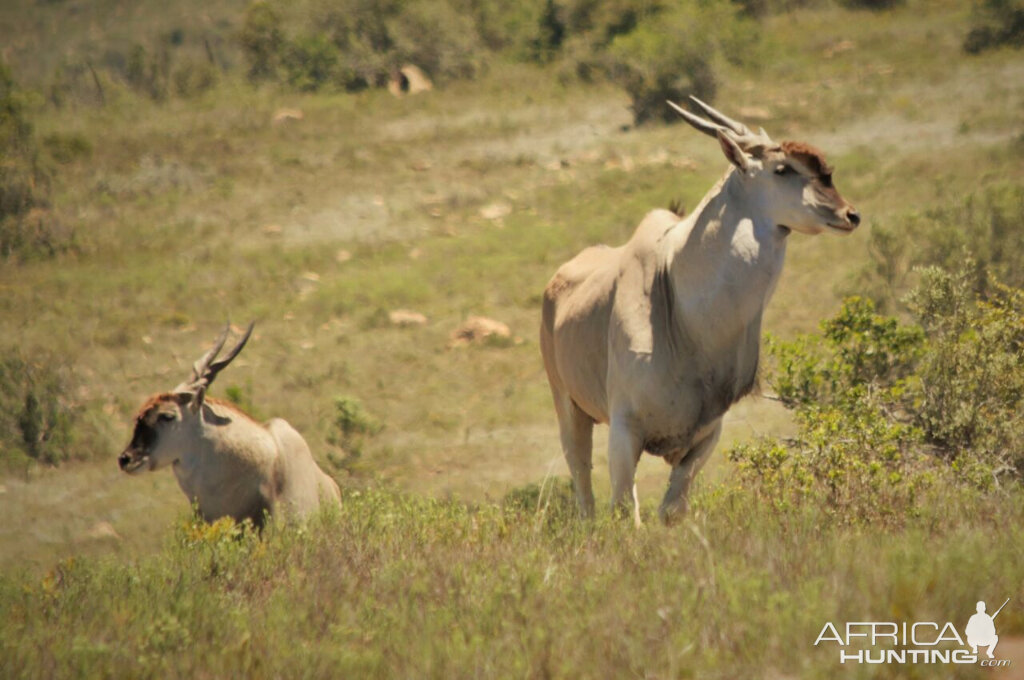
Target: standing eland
(225, 461)
(658, 337)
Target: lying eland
(658, 337)
(225, 461)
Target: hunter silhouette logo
(981, 630)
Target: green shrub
(402, 586)
(668, 53)
(871, 4)
(438, 39)
(605, 21)
(19, 192)
(857, 453)
(885, 408)
(373, 40)
(858, 349)
(851, 461)
(23, 183)
(550, 34)
(76, 80)
(37, 417)
(28, 228)
(760, 8)
(997, 23)
(352, 419)
(353, 426)
(193, 77)
(262, 40)
(39, 233)
(653, 68)
(66, 147)
(310, 62)
(970, 399)
(149, 72)
(984, 227)
(359, 30)
(551, 503)
(533, 30)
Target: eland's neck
(223, 443)
(724, 261)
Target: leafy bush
(22, 182)
(76, 80)
(193, 77)
(998, 23)
(353, 427)
(551, 504)
(968, 263)
(871, 4)
(36, 416)
(262, 40)
(358, 29)
(39, 233)
(310, 62)
(856, 453)
(970, 399)
(352, 420)
(850, 460)
(760, 8)
(654, 67)
(66, 147)
(362, 43)
(885, 409)
(438, 39)
(354, 44)
(857, 350)
(149, 72)
(28, 228)
(607, 20)
(658, 52)
(985, 227)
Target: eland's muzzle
(853, 216)
(131, 461)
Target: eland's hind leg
(577, 429)
(624, 449)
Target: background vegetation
(169, 165)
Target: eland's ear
(732, 151)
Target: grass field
(460, 201)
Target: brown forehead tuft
(809, 156)
(152, 403)
(164, 397)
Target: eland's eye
(785, 170)
(165, 417)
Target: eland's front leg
(624, 448)
(676, 501)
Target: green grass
(195, 210)
(401, 586)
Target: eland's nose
(123, 460)
(853, 216)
